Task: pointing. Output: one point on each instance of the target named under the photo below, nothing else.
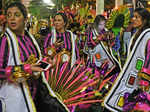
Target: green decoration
(116, 31)
(139, 64)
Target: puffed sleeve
(146, 67)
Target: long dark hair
(145, 15)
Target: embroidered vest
(126, 81)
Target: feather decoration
(71, 84)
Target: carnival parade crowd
(75, 63)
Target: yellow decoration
(31, 60)
(51, 51)
(143, 75)
(65, 55)
(115, 13)
(98, 93)
(19, 75)
(121, 102)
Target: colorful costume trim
(126, 81)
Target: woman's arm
(7, 72)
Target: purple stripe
(27, 43)
(65, 40)
(92, 35)
(2, 51)
(2, 76)
(31, 44)
(26, 52)
(77, 51)
(46, 40)
(21, 55)
(69, 43)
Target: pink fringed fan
(69, 84)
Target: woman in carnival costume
(60, 44)
(99, 42)
(61, 39)
(19, 69)
(131, 90)
(97, 47)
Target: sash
(126, 81)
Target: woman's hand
(36, 68)
(58, 43)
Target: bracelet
(143, 83)
(8, 71)
(27, 68)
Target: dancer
(19, 71)
(134, 77)
(61, 39)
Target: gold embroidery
(65, 55)
(19, 75)
(31, 60)
(51, 51)
(143, 75)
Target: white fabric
(121, 85)
(100, 49)
(73, 57)
(13, 98)
(15, 44)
